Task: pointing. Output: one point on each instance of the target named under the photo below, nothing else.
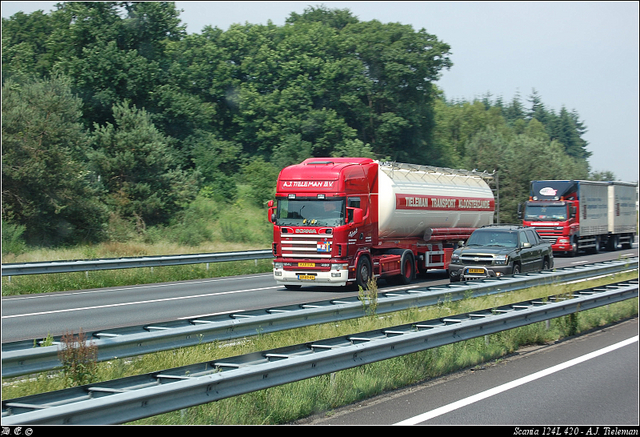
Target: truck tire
(363, 272)
(612, 242)
(407, 267)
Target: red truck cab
(324, 220)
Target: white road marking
(114, 289)
(508, 386)
(142, 302)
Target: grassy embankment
(206, 227)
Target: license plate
(475, 271)
(306, 277)
(306, 264)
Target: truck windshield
(310, 212)
(545, 212)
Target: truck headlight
(455, 257)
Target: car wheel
(516, 269)
(545, 264)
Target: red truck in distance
(576, 215)
(342, 221)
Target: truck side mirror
(572, 211)
(272, 212)
(520, 211)
(355, 215)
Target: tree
(399, 67)
(46, 185)
(568, 130)
(137, 168)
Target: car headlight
(501, 260)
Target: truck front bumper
(334, 277)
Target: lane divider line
(114, 305)
(508, 386)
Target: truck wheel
(363, 272)
(407, 268)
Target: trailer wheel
(363, 272)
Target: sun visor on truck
(552, 190)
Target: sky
(580, 55)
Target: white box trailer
(594, 208)
(622, 213)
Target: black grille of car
(478, 260)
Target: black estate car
(498, 250)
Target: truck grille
(549, 234)
(306, 246)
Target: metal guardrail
(137, 397)
(39, 268)
(19, 358)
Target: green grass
(295, 401)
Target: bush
(191, 233)
(79, 359)
(12, 241)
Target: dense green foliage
(112, 115)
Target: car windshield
(311, 212)
(493, 238)
(542, 212)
